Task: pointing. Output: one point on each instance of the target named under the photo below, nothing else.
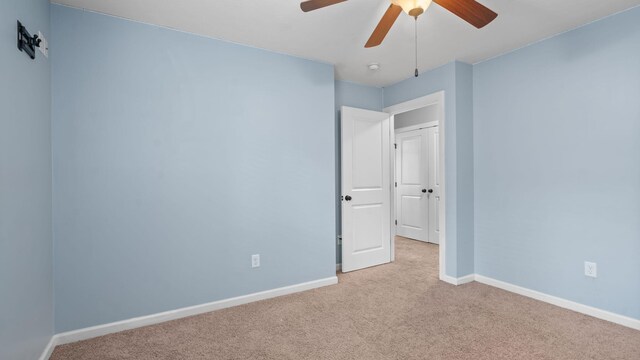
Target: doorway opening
(417, 164)
(369, 199)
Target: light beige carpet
(394, 311)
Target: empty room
(319, 179)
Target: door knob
(348, 198)
(430, 191)
(424, 190)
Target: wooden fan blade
(470, 11)
(317, 4)
(384, 26)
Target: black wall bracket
(26, 42)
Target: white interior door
(417, 184)
(366, 211)
(433, 190)
(412, 179)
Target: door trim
(437, 98)
(428, 124)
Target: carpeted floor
(394, 311)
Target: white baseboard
(100, 330)
(95, 331)
(449, 279)
(563, 303)
(466, 279)
(458, 281)
(49, 349)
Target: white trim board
(100, 330)
(458, 281)
(48, 350)
(563, 303)
(424, 125)
(91, 332)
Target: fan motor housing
(415, 12)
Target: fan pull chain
(416, 38)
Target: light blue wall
(455, 79)
(26, 291)
(464, 170)
(177, 157)
(160, 191)
(358, 96)
(557, 165)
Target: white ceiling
(337, 34)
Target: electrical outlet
(255, 261)
(590, 269)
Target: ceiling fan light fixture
(414, 8)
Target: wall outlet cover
(590, 269)
(255, 261)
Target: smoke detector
(374, 66)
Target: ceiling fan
(470, 11)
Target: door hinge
(396, 222)
(395, 146)
(396, 184)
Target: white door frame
(428, 100)
(424, 125)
